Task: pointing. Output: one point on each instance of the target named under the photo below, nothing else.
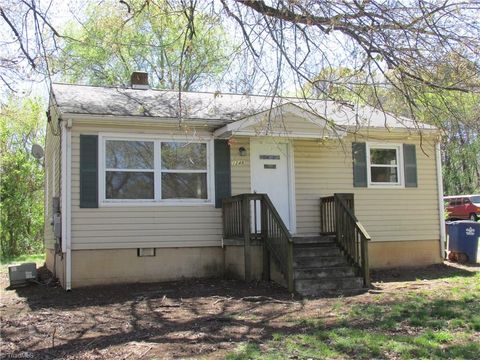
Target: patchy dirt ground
(184, 319)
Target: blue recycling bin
(464, 238)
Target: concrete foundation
(56, 264)
(389, 254)
(96, 267)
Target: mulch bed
(182, 319)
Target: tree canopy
(415, 58)
(181, 48)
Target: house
(149, 185)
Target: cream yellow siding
(325, 167)
(52, 177)
(321, 169)
(133, 226)
(240, 166)
(287, 125)
(388, 214)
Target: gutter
(148, 120)
(440, 199)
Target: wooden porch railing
(327, 215)
(254, 217)
(337, 217)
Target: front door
(270, 174)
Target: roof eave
(154, 120)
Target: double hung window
(384, 165)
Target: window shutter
(410, 165)
(359, 154)
(88, 171)
(223, 187)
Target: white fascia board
(119, 120)
(402, 130)
(285, 135)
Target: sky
(60, 12)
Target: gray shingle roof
(214, 108)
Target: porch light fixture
(242, 151)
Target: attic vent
(139, 80)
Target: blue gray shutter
(88, 171)
(410, 165)
(223, 186)
(359, 154)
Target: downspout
(66, 201)
(63, 182)
(440, 199)
(69, 206)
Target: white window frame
(157, 140)
(399, 150)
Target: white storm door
(270, 175)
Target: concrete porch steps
(320, 268)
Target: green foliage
(111, 44)
(21, 183)
(36, 258)
(457, 114)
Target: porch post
(246, 236)
(266, 253)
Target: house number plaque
(269, 157)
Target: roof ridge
(200, 92)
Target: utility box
(57, 225)
(20, 274)
(464, 241)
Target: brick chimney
(139, 80)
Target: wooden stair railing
(337, 217)
(240, 221)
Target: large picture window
(384, 165)
(155, 170)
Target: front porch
(334, 260)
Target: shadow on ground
(211, 317)
(181, 318)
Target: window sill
(156, 203)
(386, 186)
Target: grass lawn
(36, 258)
(426, 322)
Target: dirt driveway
(185, 319)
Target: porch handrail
(238, 223)
(350, 233)
(327, 215)
(278, 240)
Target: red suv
(463, 207)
